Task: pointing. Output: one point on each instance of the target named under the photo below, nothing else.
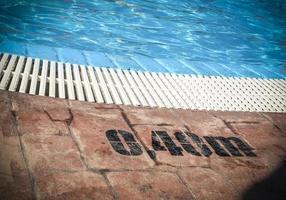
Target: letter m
(234, 146)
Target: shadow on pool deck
(272, 187)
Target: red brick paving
(59, 149)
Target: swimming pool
(209, 37)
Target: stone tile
(4, 96)
(7, 126)
(165, 168)
(265, 160)
(40, 114)
(51, 152)
(11, 158)
(159, 116)
(241, 174)
(279, 119)
(14, 178)
(148, 185)
(203, 123)
(15, 187)
(62, 127)
(144, 132)
(57, 114)
(72, 186)
(48, 144)
(271, 187)
(269, 147)
(12, 161)
(39, 102)
(89, 106)
(90, 127)
(55, 161)
(239, 117)
(262, 136)
(207, 184)
(35, 121)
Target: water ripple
(241, 31)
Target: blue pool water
(209, 37)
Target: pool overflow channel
(138, 88)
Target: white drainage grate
(116, 86)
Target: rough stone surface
(241, 175)
(72, 186)
(15, 187)
(90, 130)
(149, 116)
(60, 149)
(45, 144)
(82, 105)
(239, 117)
(203, 123)
(262, 136)
(207, 184)
(14, 176)
(278, 120)
(165, 157)
(56, 114)
(148, 185)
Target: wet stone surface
(59, 149)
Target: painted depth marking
(162, 141)
(115, 86)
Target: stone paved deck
(59, 149)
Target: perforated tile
(115, 86)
